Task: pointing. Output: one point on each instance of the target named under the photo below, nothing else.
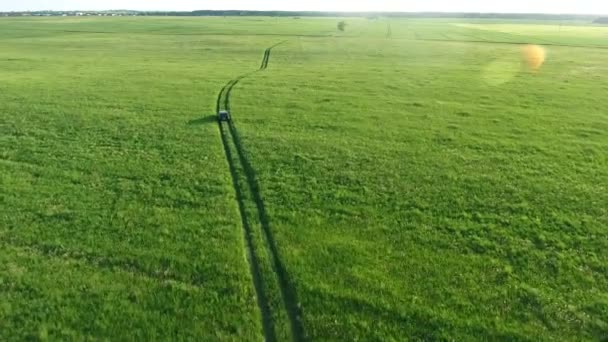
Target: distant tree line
(371, 15)
(68, 13)
(603, 20)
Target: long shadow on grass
(287, 290)
(254, 264)
(203, 120)
(288, 294)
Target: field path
(244, 174)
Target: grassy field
(402, 180)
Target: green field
(402, 180)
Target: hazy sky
(536, 6)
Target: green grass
(108, 169)
(419, 186)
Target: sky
(509, 6)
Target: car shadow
(204, 120)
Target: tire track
(288, 292)
(254, 264)
(231, 137)
(266, 58)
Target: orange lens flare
(534, 56)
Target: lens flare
(534, 56)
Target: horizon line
(310, 11)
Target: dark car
(224, 115)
